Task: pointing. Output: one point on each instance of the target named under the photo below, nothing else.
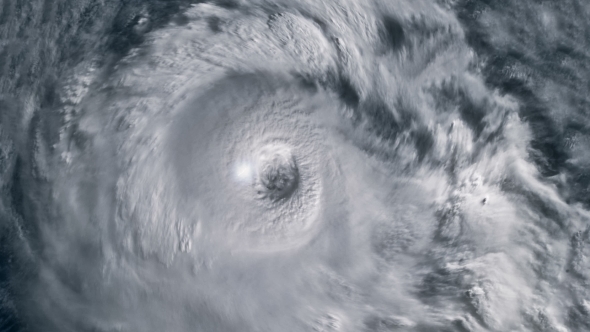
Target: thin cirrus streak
(287, 166)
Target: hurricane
(294, 165)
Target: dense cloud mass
(405, 165)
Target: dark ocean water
(294, 165)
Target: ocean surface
(294, 165)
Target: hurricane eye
(277, 173)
